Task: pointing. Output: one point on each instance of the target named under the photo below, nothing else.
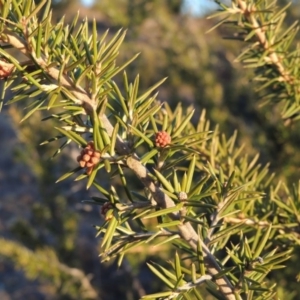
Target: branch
(282, 228)
(186, 230)
(249, 12)
(80, 94)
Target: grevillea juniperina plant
(202, 196)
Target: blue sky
(195, 7)
(199, 7)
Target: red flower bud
(162, 139)
(82, 163)
(94, 160)
(5, 69)
(86, 157)
(89, 164)
(89, 157)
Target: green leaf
(62, 146)
(149, 112)
(178, 267)
(166, 211)
(141, 135)
(83, 75)
(158, 295)
(133, 93)
(56, 138)
(91, 178)
(186, 296)
(150, 90)
(120, 98)
(226, 233)
(101, 189)
(3, 88)
(124, 182)
(196, 190)
(112, 46)
(165, 241)
(263, 242)
(207, 192)
(117, 70)
(164, 181)
(202, 204)
(197, 295)
(39, 42)
(36, 9)
(53, 98)
(149, 155)
(153, 123)
(169, 224)
(143, 107)
(129, 246)
(40, 103)
(99, 145)
(215, 293)
(103, 133)
(68, 174)
(160, 275)
(224, 272)
(176, 182)
(108, 236)
(190, 174)
(183, 124)
(193, 273)
(73, 136)
(196, 136)
(142, 213)
(184, 181)
(200, 253)
(230, 199)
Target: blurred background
(48, 248)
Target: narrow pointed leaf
(142, 136)
(164, 181)
(177, 266)
(183, 124)
(107, 239)
(165, 211)
(149, 155)
(263, 242)
(91, 178)
(161, 276)
(190, 174)
(73, 136)
(68, 174)
(33, 111)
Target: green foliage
(269, 51)
(67, 281)
(230, 222)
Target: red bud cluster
(89, 157)
(5, 69)
(162, 139)
(104, 209)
